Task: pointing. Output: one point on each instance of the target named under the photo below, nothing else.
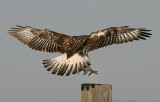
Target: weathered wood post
(96, 92)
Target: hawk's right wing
(41, 40)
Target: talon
(93, 71)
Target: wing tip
(124, 26)
(144, 33)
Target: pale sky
(132, 69)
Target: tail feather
(75, 69)
(46, 63)
(61, 65)
(80, 68)
(50, 67)
(64, 69)
(55, 69)
(69, 70)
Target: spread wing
(41, 40)
(114, 35)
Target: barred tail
(61, 65)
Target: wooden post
(96, 92)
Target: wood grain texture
(96, 92)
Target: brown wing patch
(115, 35)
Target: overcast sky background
(133, 68)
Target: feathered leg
(86, 70)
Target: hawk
(74, 48)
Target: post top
(94, 84)
(91, 85)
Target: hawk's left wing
(114, 35)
